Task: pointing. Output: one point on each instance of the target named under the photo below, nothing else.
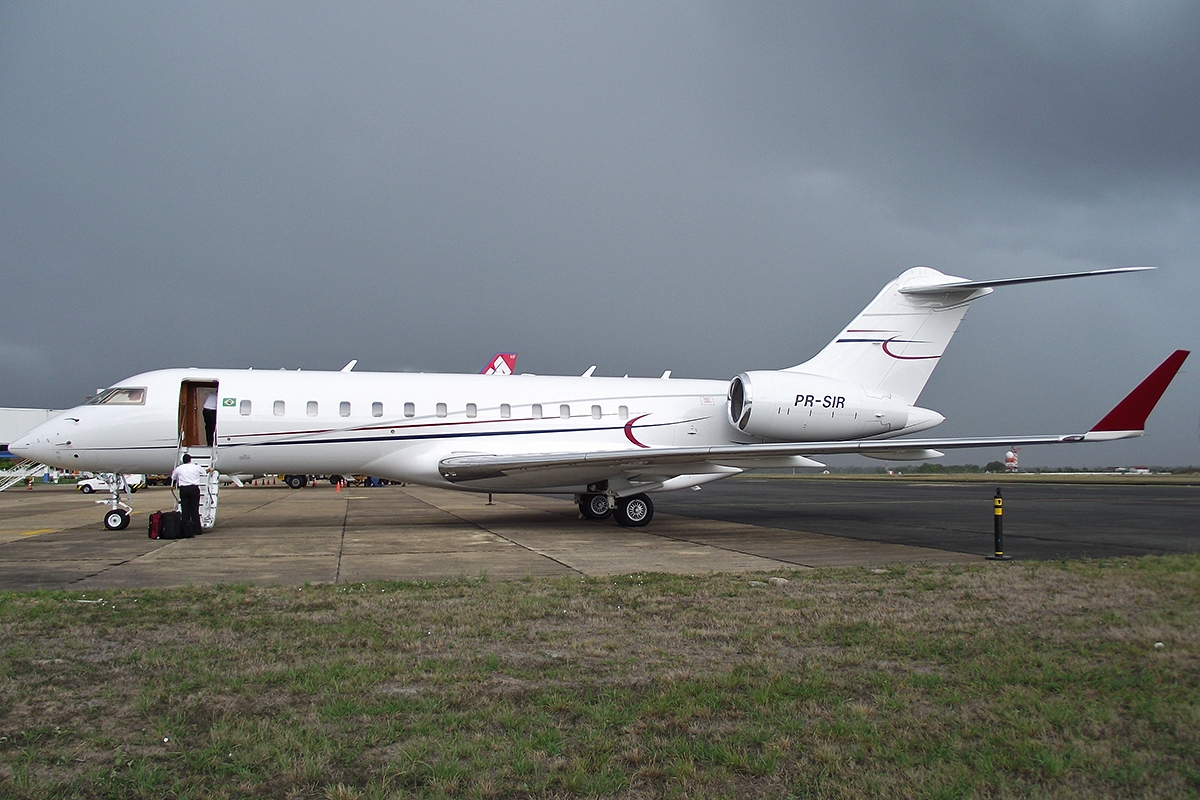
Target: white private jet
(610, 442)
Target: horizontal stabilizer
(1128, 417)
(963, 286)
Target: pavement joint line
(780, 559)
(501, 536)
(337, 573)
(105, 569)
(685, 540)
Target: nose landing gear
(116, 520)
(117, 517)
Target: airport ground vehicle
(91, 484)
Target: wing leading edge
(1126, 420)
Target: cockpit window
(120, 396)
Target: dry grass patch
(1003, 680)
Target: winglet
(1128, 417)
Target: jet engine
(796, 407)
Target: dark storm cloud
(700, 187)
(1070, 97)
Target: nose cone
(35, 445)
(20, 447)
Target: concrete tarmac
(52, 537)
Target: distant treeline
(930, 468)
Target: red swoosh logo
(903, 358)
(629, 431)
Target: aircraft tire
(595, 506)
(296, 481)
(116, 520)
(634, 512)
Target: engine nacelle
(795, 407)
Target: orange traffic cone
(339, 486)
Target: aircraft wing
(1126, 420)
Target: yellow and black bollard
(998, 528)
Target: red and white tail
(500, 364)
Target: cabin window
(280, 408)
(127, 396)
(596, 412)
(311, 408)
(344, 408)
(536, 410)
(505, 411)
(244, 408)
(472, 410)
(564, 411)
(410, 410)
(441, 409)
(377, 409)
(623, 412)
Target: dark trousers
(189, 507)
(210, 424)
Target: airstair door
(198, 438)
(194, 430)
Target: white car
(94, 484)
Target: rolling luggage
(166, 525)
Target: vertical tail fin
(892, 346)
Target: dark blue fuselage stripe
(409, 437)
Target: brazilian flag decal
(229, 402)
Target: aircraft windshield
(120, 396)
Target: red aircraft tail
(500, 364)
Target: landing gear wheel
(634, 512)
(296, 481)
(117, 520)
(594, 506)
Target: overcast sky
(704, 187)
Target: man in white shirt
(189, 478)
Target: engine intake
(796, 407)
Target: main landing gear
(634, 511)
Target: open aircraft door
(192, 431)
(198, 438)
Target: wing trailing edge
(1126, 420)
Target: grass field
(1077, 679)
